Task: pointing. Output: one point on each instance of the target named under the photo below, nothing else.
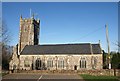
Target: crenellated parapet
(29, 32)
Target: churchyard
(38, 75)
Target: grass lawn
(3, 74)
(88, 77)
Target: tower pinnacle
(21, 16)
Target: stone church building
(29, 55)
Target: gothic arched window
(82, 63)
(49, 62)
(26, 62)
(94, 62)
(61, 63)
(38, 64)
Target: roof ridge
(64, 44)
(67, 44)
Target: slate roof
(85, 48)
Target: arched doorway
(14, 68)
(38, 64)
(75, 67)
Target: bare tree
(115, 59)
(117, 43)
(5, 35)
(4, 40)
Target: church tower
(29, 32)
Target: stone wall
(70, 61)
(106, 72)
(29, 32)
(103, 72)
(14, 62)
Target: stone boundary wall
(107, 72)
(103, 72)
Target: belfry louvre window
(82, 63)
(26, 62)
(61, 63)
(49, 63)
